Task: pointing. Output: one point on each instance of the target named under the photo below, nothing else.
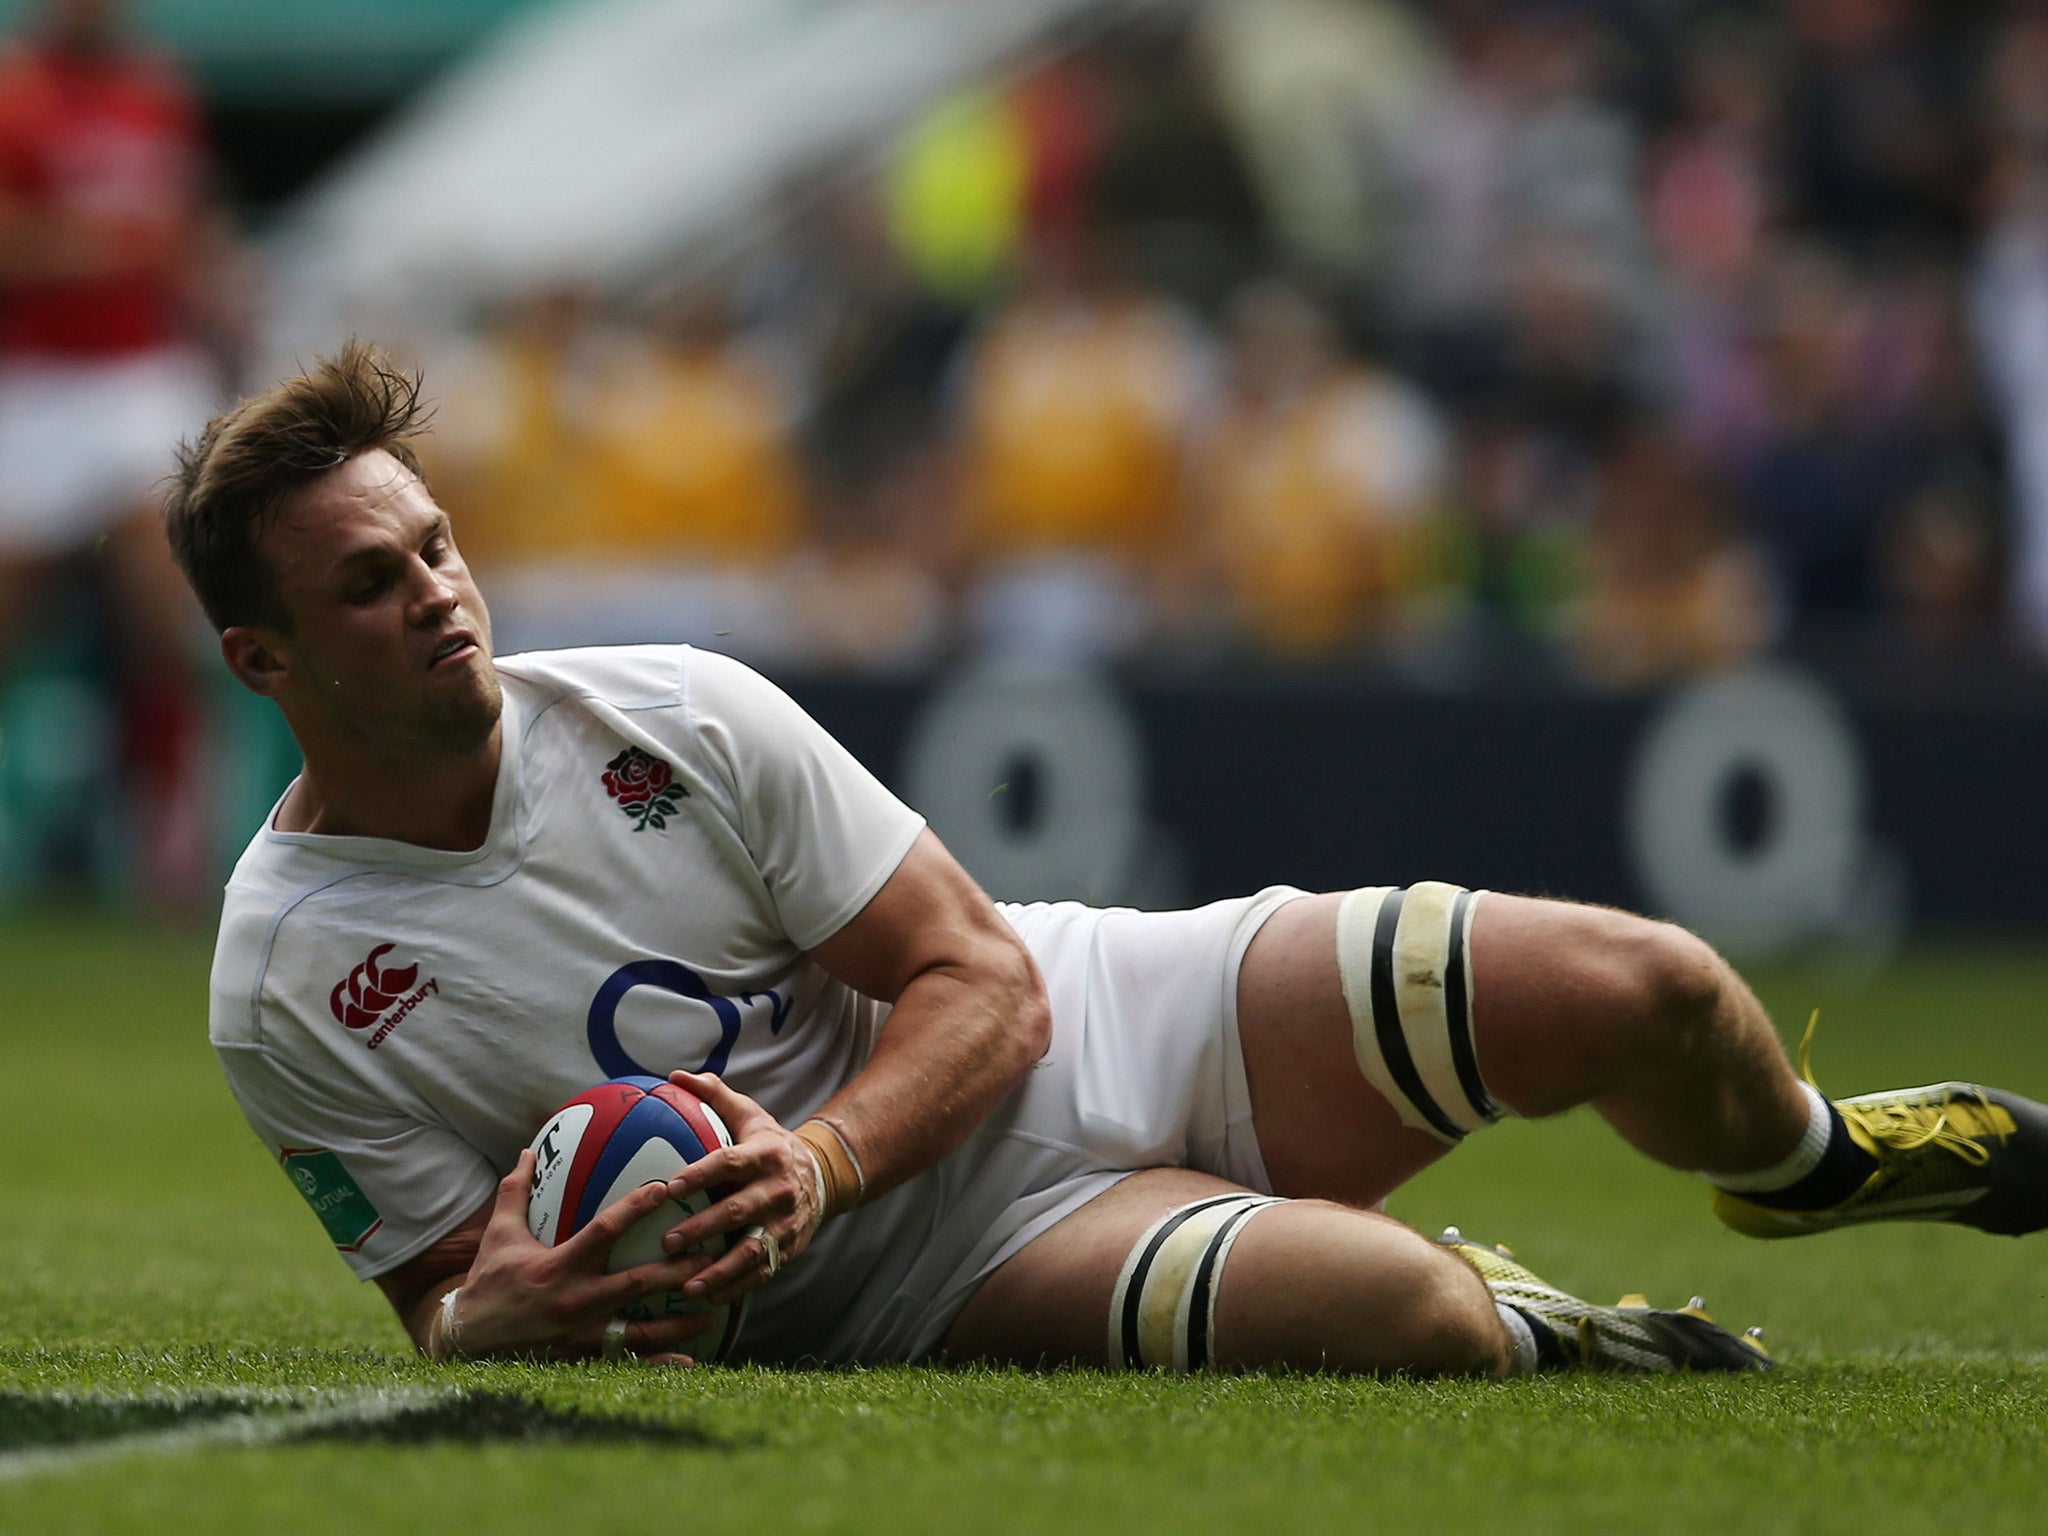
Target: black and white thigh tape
(1163, 1311)
(1407, 973)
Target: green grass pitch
(154, 1269)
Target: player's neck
(430, 799)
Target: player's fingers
(515, 1190)
(743, 1269)
(654, 1336)
(726, 1165)
(609, 1293)
(593, 1244)
(773, 1160)
(762, 1158)
(756, 1202)
(729, 1279)
(733, 1107)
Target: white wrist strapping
(817, 1177)
(445, 1338)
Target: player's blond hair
(231, 481)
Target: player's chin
(471, 674)
(467, 709)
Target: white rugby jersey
(670, 834)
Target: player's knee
(1675, 980)
(1655, 979)
(1401, 1304)
(1437, 1317)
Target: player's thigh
(1566, 1001)
(1323, 1130)
(1306, 1284)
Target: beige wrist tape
(844, 1182)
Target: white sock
(1519, 1335)
(1797, 1164)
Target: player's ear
(254, 656)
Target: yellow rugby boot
(1629, 1336)
(1954, 1152)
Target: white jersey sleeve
(384, 1178)
(824, 832)
(384, 1185)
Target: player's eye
(370, 589)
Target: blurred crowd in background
(1614, 341)
(1633, 337)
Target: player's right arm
(519, 1297)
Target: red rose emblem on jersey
(645, 788)
(360, 998)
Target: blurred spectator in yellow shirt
(1080, 394)
(1673, 590)
(568, 438)
(693, 450)
(1319, 483)
(511, 453)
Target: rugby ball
(604, 1144)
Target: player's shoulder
(284, 920)
(636, 677)
(624, 676)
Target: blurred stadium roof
(250, 51)
(593, 142)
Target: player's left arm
(969, 1018)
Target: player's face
(389, 638)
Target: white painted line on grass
(242, 1427)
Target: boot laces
(1901, 1126)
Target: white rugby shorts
(1145, 1071)
(83, 443)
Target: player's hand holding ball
(524, 1297)
(774, 1204)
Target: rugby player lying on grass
(965, 1130)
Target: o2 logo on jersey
(670, 976)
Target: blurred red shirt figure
(101, 158)
(106, 230)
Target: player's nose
(436, 594)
